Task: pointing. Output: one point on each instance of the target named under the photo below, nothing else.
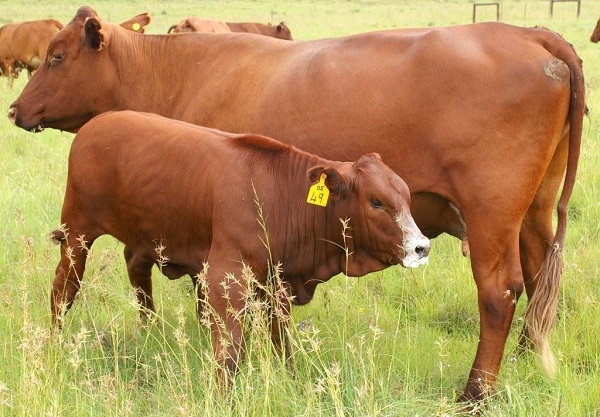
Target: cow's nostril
(12, 114)
(422, 250)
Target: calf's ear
(335, 182)
(93, 33)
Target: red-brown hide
(482, 121)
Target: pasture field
(394, 343)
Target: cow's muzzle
(416, 251)
(12, 116)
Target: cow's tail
(542, 307)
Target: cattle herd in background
(317, 96)
(23, 45)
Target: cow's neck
(156, 56)
(314, 243)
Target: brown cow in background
(280, 31)
(195, 24)
(197, 193)
(7, 61)
(596, 33)
(23, 45)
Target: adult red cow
(24, 44)
(148, 180)
(195, 24)
(280, 31)
(482, 121)
(596, 33)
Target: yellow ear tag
(135, 26)
(318, 193)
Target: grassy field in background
(394, 343)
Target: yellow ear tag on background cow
(135, 26)
(318, 193)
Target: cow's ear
(94, 35)
(336, 182)
(190, 26)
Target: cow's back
(173, 182)
(280, 31)
(458, 78)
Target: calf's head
(377, 201)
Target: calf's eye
(376, 203)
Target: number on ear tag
(318, 193)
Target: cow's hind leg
(69, 272)
(139, 269)
(541, 261)
(497, 272)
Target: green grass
(395, 343)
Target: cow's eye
(376, 203)
(56, 58)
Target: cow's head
(596, 34)
(76, 81)
(283, 32)
(185, 26)
(377, 201)
(195, 24)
